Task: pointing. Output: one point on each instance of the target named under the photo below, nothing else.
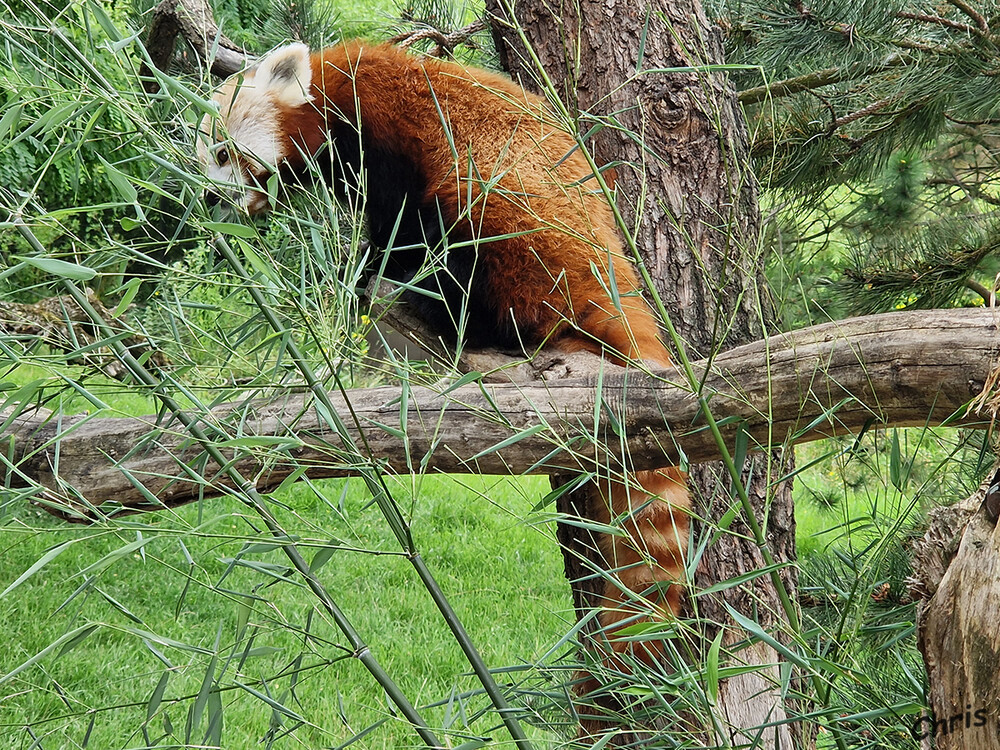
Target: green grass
(174, 604)
(59, 387)
(502, 576)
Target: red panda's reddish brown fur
(471, 151)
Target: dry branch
(444, 42)
(62, 325)
(195, 22)
(898, 369)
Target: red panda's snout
(233, 182)
(244, 144)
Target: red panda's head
(247, 141)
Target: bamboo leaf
(760, 634)
(526, 433)
(282, 442)
(61, 268)
(112, 557)
(233, 230)
(823, 418)
(712, 669)
(65, 642)
(324, 554)
(207, 683)
(740, 579)
(279, 707)
(119, 606)
(896, 463)
(40, 563)
(126, 190)
(164, 641)
(213, 734)
(469, 377)
(153, 704)
(130, 290)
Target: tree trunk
(680, 151)
(957, 582)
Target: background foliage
(875, 135)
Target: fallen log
(898, 369)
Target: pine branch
(989, 297)
(940, 21)
(933, 49)
(973, 123)
(815, 80)
(972, 13)
(871, 109)
(793, 85)
(922, 271)
(972, 190)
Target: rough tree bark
(680, 151)
(957, 586)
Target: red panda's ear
(286, 74)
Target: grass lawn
(176, 601)
(177, 606)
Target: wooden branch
(795, 85)
(817, 79)
(972, 13)
(444, 42)
(192, 19)
(939, 21)
(387, 310)
(900, 369)
(62, 325)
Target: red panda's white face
(246, 143)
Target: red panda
(466, 163)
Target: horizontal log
(898, 369)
